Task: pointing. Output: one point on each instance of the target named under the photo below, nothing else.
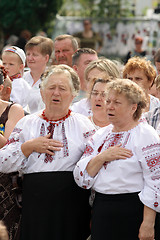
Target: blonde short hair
(104, 65)
(44, 44)
(133, 93)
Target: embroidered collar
(18, 75)
(56, 122)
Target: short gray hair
(68, 71)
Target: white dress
(35, 102)
(140, 173)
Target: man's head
(64, 47)
(80, 60)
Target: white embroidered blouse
(140, 173)
(73, 133)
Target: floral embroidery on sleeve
(152, 157)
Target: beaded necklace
(56, 122)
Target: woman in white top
(95, 69)
(45, 147)
(127, 190)
(38, 51)
(97, 98)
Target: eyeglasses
(96, 93)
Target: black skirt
(116, 217)
(54, 207)
(10, 213)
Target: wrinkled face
(157, 64)
(138, 76)
(119, 110)
(12, 63)
(35, 60)
(57, 93)
(83, 62)
(64, 51)
(98, 97)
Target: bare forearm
(95, 165)
(149, 215)
(146, 231)
(27, 148)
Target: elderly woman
(127, 190)
(45, 147)
(143, 73)
(96, 69)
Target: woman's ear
(134, 107)
(47, 58)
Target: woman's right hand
(116, 152)
(41, 145)
(110, 154)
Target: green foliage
(33, 15)
(97, 8)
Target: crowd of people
(79, 141)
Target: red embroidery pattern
(88, 134)
(152, 157)
(112, 140)
(11, 140)
(88, 150)
(65, 142)
(152, 161)
(42, 130)
(150, 147)
(17, 130)
(156, 204)
(50, 128)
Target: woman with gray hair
(45, 147)
(128, 188)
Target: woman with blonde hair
(127, 182)
(101, 68)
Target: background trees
(33, 15)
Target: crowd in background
(79, 139)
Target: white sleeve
(20, 92)
(82, 178)
(11, 157)
(150, 162)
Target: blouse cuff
(82, 178)
(150, 198)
